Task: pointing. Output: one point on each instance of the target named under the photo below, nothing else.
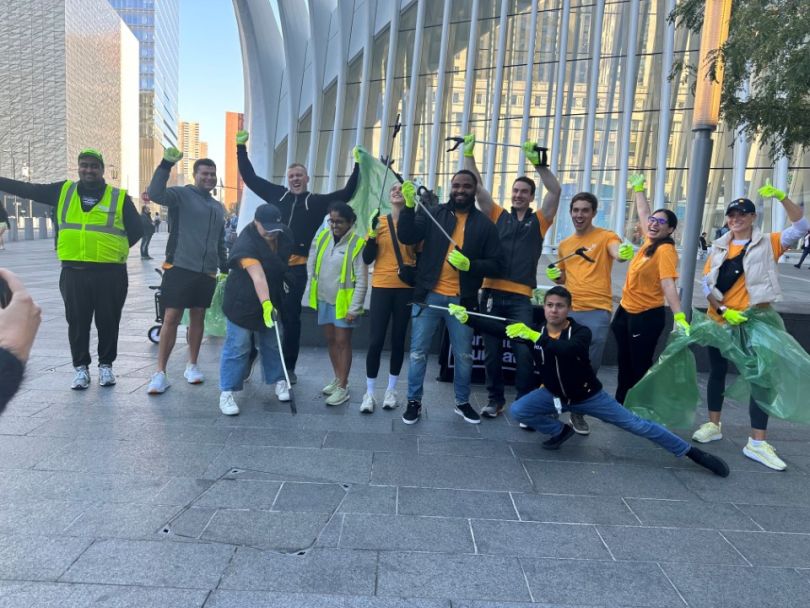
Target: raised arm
(638, 183)
(157, 190)
(264, 189)
(795, 214)
(47, 194)
(482, 195)
(551, 201)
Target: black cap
(269, 217)
(743, 205)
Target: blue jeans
(517, 307)
(536, 409)
(425, 322)
(233, 363)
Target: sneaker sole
(194, 381)
(582, 432)
(470, 420)
(410, 421)
(236, 413)
(757, 458)
(79, 388)
(341, 402)
(709, 439)
(366, 410)
(283, 400)
(154, 391)
(389, 406)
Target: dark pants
(388, 303)
(716, 388)
(805, 253)
(291, 314)
(636, 337)
(90, 293)
(517, 307)
(145, 245)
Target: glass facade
(621, 124)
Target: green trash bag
(215, 321)
(374, 178)
(773, 368)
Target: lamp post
(704, 122)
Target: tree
(769, 47)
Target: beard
(463, 203)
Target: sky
(210, 70)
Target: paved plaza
(110, 497)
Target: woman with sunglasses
(650, 282)
(391, 298)
(337, 289)
(741, 272)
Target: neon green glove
(681, 323)
(172, 155)
(459, 260)
(769, 190)
(242, 137)
(469, 144)
(638, 183)
(267, 313)
(522, 331)
(409, 193)
(734, 317)
(532, 155)
(553, 273)
(373, 221)
(459, 312)
(356, 154)
(626, 251)
(222, 276)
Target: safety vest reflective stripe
(347, 276)
(97, 235)
(109, 228)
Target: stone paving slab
(112, 498)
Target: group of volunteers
(457, 264)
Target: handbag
(406, 273)
(730, 271)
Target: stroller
(154, 332)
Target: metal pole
(702, 144)
(740, 153)
(558, 92)
(527, 97)
(438, 105)
(489, 164)
(469, 73)
(413, 91)
(780, 180)
(665, 113)
(593, 89)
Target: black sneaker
(412, 412)
(560, 438)
(579, 425)
(492, 409)
(526, 427)
(466, 411)
(715, 464)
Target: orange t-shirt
(737, 296)
(296, 260)
(448, 284)
(505, 284)
(248, 262)
(642, 287)
(385, 264)
(589, 284)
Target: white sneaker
(106, 377)
(764, 454)
(368, 404)
(227, 404)
(81, 378)
(158, 384)
(282, 392)
(390, 399)
(340, 395)
(708, 432)
(193, 374)
(331, 387)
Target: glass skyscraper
(156, 23)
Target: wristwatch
(722, 310)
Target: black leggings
(716, 388)
(636, 338)
(388, 303)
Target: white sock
(755, 443)
(392, 382)
(370, 382)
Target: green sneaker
(708, 432)
(330, 388)
(764, 454)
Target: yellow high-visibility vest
(97, 235)
(347, 276)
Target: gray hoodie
(197, 222)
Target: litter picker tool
(460, 140)
(293, 408)
(469, 312)
(388, 161)
(438, 225)
(580, 252)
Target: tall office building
(589, 80)
(69, 74)
(233, 185)
(156, 23)
(192, 148)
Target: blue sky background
(210, 70)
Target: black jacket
(148, 225)
(522, 245)
(304, 212)
(11, 374)
(241, 305)
(564, 366)
(4, 216)
(48, 194)
(481, 246)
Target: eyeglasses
(657, 220)
(337, 222)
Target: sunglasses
(661, 221)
